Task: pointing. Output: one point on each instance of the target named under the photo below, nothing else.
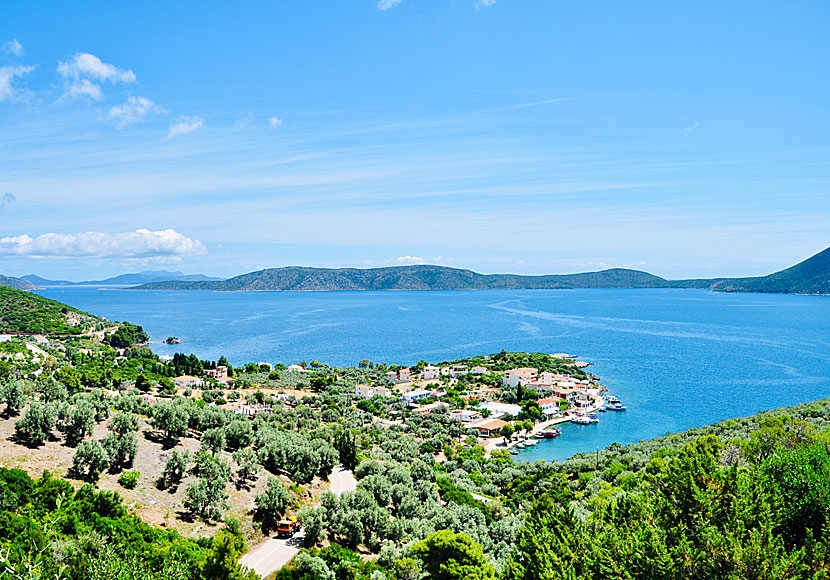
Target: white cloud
(387, 4)
(83, 68)
(133, 111)
(484, 3)
(7, 199)
(274, 122)
(686, 131)
(185, 125)
(141, 243)
(13, 48)
(7, 75)
(409, 260)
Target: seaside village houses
(553, 392)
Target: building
(515, 377)
(459, 370)
(188, 381)
(219, 373)
(550, 405)
(400, 376)
(499, 410)
(488, 427)
(430, 372)
(411, 397)
(425, 409)
(367, 392)
(253, 410)
(297, 369)
(479, 371)
(465, 415)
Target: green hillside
(24, 312)
(411, 278)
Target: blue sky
(686, 139)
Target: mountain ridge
(811, 276)
(17, 283)
(134, 278)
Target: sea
(676, 358)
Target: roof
(488, 424)
(548, 400)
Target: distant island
(17, 283)
(144, 277)
(811, 276)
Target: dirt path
(274, 553)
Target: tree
(90, 460)
(207, 497)
(446, 555)
(507, 431)
(121, 449)
(123, 423)
(271, 505)
(13, 393)
(346, 447)
(213, 440)
(142, 383)
(76, 422)
(239, 434)
(171, 420)
(52, 391)
(127, 335)
(37, 423)
(175, 468)
(222, 560)
(247, 466)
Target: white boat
(579, 420)
(531, 442)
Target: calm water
(677, 358)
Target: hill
(17, 283)
(24, 312)
(410, 278)
(123, 279)
(812, 276)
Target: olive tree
(271, 505)
(90, 460)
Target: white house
(430, 372)
(220, 372)
(188, 381)
(367, 392)
(458, 370)
(498, 410)
(514, 377)
(479, 371)
(410, 397)
(465, 415)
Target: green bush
(129, 479)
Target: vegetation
(24, 312)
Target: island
(172, 340)
(811, 276)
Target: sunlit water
(677, 358)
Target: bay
(677, 358)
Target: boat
(520, 446)
(530, 443)
(617, 407)
(540, 435)
(613, 400)
(602, 409)
(551, 433)
(513, 451)
(580, 420)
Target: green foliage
(13, 393)
(172, 420)
(36, 424)
(223, 558)
(346, 446)
(76, 422)
(446, 555)
(129, 479)
(90, 460)
(271, 505)
(207, 497)
(127, 335)
(27, 312)
(121, 449)
(175, 468)
(298, 456)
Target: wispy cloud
(84, 72)
(484, 3)
(141, 243)
(7, 75)
(7, 199)
(409, 260)
(274, 122)
(686, 131)
(525, 105)
(13, 48)
(387, 4)
(133, 111)
(186, 125)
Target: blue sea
(677, 358)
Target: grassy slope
(24, 312)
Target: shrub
(129, 479)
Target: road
(274, 553)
